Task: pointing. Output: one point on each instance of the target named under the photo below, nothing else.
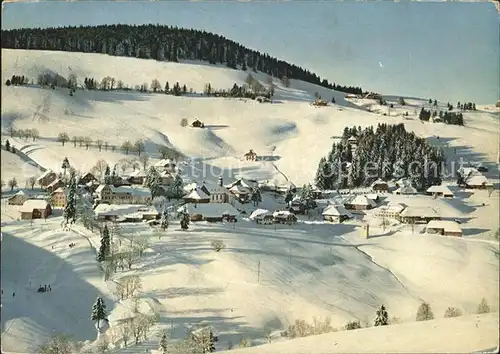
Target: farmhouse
(243, 182)
(59, 197)
(251, 155)
(18, 199)
(210, 211)
(444, 227)
(379, 186)
(296, 206)
(414, 215)
(478, 182)
(137, 177)
(336, 213)
(46, 178)
(57, 183)
(197, 195)
(125, 213)
(87, 178)
(440, 191)
(284, 217)
(240, 192)
(360, 202)
(262, 216)
(109, 194)
(391, 210)
(35, 209)
(197, 124)
(406, 190)
(218, 194)
(166, 165)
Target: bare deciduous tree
(126, 146)
(144, 160)
(88, 141)
(100, 167)
(155, 85)
(99, 144)
(12, 183)
(31, 181)
(184, 122)
(62, 138)
(139, 146)
(74, 140)
(119, 85)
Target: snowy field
(266, 277)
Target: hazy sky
(447, 50)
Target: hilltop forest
(160, 43)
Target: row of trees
(160, 43)
(17, 80)
(24, 133)
(447, 117)
(387, 152)
(466, 106)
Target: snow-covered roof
(243, 182)
(259, 213)
(138, 173)
(60, 190)
(378, 181)
(56, 181)
(336, 210)
(137, 192)
(478, 180)
(197, 194)
(282, 214)
(416, 211)
(440, 189)
(45, 174)
(123, 209)
(469, 171)
(352, 138)
(447, 225)
(406, 189)
(209, 209)
(363, 200)
(239, 189)
(31, 204)
(165, 174)
(164, 162)
(393, 208)
(216, 189)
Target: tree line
(447, 117)
(17, 80)
(160, 43)
(387, 152)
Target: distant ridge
(160, 43)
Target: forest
(161, 43)
(387, 152)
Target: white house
(336, 213)
(444, 227)
(441, 191)
(360, 202)
(391, 210)
(209, 211)
(284, 217)
(412, 215)
(406, 190)
(478, 182)
(125, 212)
(197, 195)
(262, 216)
(109, 194)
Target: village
(126, 199)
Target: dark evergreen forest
(160, 43)
(386, 152)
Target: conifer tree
(164, 219)
(105, 247)
(164, 343)
(185, 219)
(256, 196)
(167, 88)
(382, 318)
(98, 311)
(177, 186)
(107, 175)
(7, 145)
(70, 208)
(153, 181)
(424, 312)
(65, 165)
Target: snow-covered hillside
(267, 276)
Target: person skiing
(50, 289)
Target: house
(197, 124)
(35, 209)
(109, 194)
(18, 199)
(137, 177)
(284, 217)
(406, 190)
(250, 155)
(262, 216)
(210, 211)
(336, 213)
(166, 178)
(444, 227)
(380, 186)
(218, 194)
(316, 192)
(59, 197)
(125, 213)
(415, 215)
(240, 192)
(243, 182)
(166, 165)
(360, 202)
(440, 191)
(197, 195)
(46, 178)
(57, 183)
(478, 182)
(87, 178)
(391, 210)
